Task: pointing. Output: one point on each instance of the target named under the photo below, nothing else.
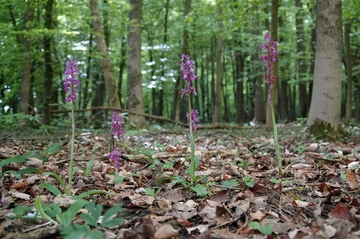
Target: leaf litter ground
(319, 200)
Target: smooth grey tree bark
(135, 100)
(325, 110)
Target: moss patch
(323, 130)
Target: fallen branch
(7, 136)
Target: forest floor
(319, 196)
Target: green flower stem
(192, 147)
(276, 141)
(70, 169)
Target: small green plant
(265, 230)
(231, 183)
(242, 163)
(43, 155)
(151, 192)
(299, 150)
(249, 181)
(95, 219)
(17, 120)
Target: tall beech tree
(302, 67)
(102, 47)
(135, 98)
(219, 67)
(25, 93)
(325, 109)
(180, 81)
(47, 42)
(349, 86)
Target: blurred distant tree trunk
(259, 92)
(102, 47)
(218, 85)
(349, 95)
(160, 112)
(239, 93)
(356, 62)
(97, 116)
(301, 63)
(274, 37)
(48, 91)
(135, 98)
(122, 64)
(325, 109)
(85, 88)
(283, 92)
(25, 92)
(180, 80)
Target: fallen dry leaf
(166, 231)
(352, 180)
(341, 212)
(258, 216)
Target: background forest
(128, 54)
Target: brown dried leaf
(341, 212)
(166, 232)
(19, 185)
(258, 215)
(220, 197)
(20, 195)
(351, 179)
(324, 189)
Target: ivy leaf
(230, 183)
(266, 230)
(254, 225)
(275, 180)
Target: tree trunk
(25, 92)
(349, 90)
(283, 84)
(356, 62)
(218, 86)
(325, 106)
(122, 65)
(274, 36)
(135, 100)
(165, 39)
(239, 94)
(300, 45)
(85, 89)
(97, 116)
(105, 59)
(48, 63)
(180, 80)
